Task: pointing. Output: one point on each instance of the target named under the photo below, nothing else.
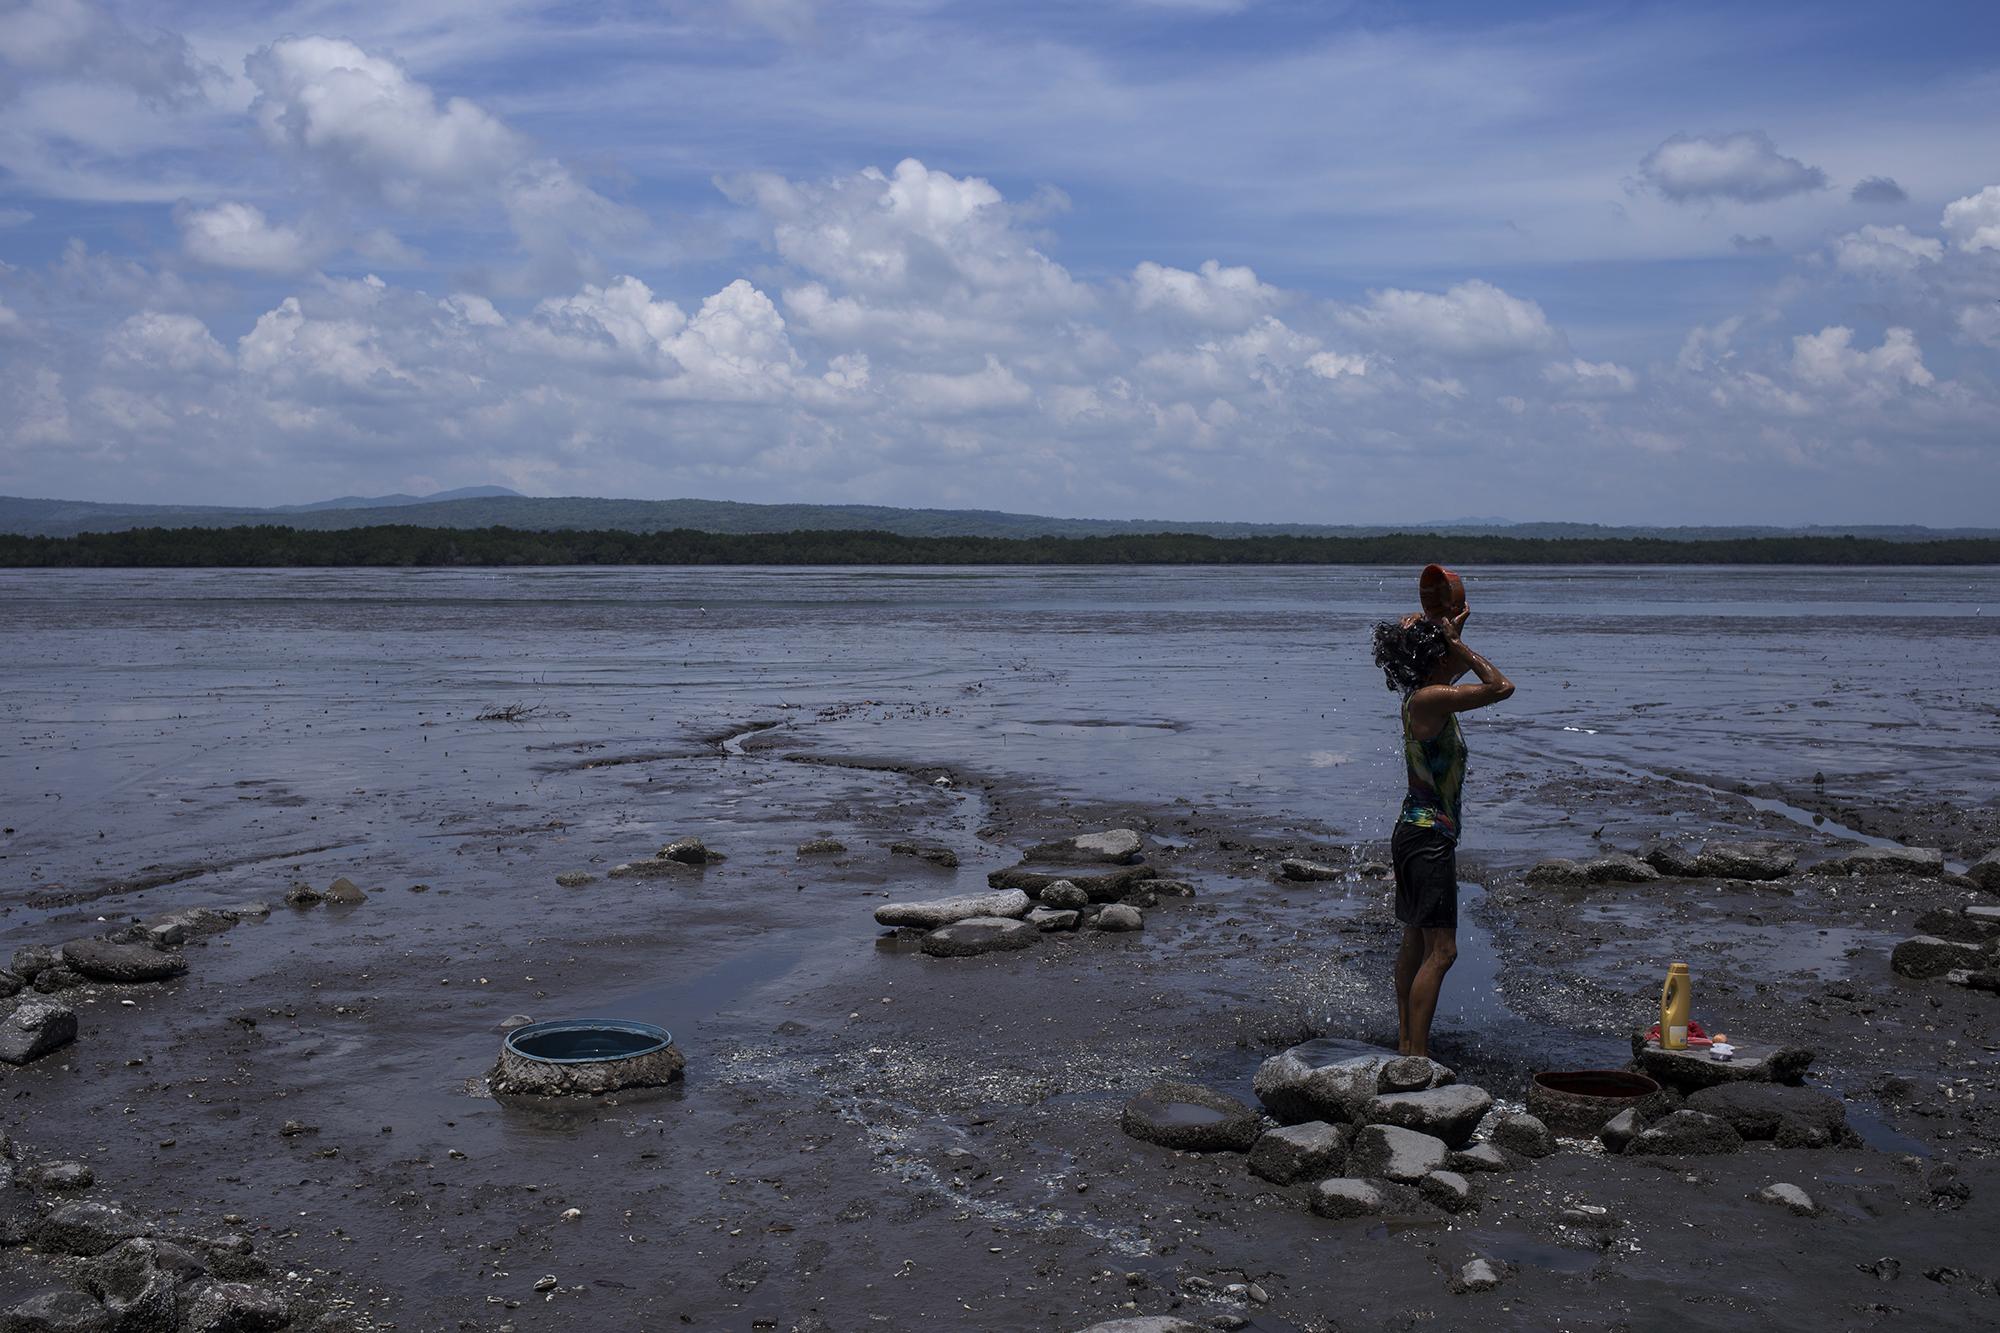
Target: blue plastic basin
(573, 1041)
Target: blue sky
(1173, 258)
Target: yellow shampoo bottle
(1676, 1003)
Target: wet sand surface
(869, 1137)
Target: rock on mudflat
(235, 1307)
(1448, 1113)
(1119, 917)
(60, 1177)
(1619, 1130)
(1691, 1069)
(1151, 1323)
(1746, 860)
(1523, 1134)
(1479, 1275)
(1300, 869)
(1048, 919)
(977, 935)
(1479, 1157)
(944, 911)
(1411, 1073)
(1669, 859)
(1685, 1133)
(1064, 895)
(1925, 861)
(1302, 1084)
(657, 867)
(63, 1310)
(1985, 872)
(1448, 1190)
(137, 1281)
(822, 847)
(1297, 1152)
(689, 852)
(1794, 1117)
(101, 960)
(1561, 873)
(303, 895)
(1391, 1153)
(1788, 1196)
(575, 879)
(1118, 846)
(943, 857)
(85, 1228)
(1926, 956)
(1103, 888)
(1191, 1118)
(345, 892)
(31, 1028)
(1341, 1197)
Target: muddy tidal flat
(1779, 776)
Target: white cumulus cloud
(1590, 379)
(1471, 319)
(1213, 295)
(1829, 360)
(1890, 250)
(1974, 221)
(234, 235)
(1746, 167)
(178, 343)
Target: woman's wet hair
(1408, 654)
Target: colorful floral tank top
(1437, 775)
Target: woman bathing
(1422, 657)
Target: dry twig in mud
(513, 713)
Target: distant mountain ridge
(495, 506)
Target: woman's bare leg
(1440, 951)
(1408, 958)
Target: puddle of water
(1177, 1113)
(1878, 1134)
(676, 1005)
(1530, 1253)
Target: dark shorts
(1426, 862)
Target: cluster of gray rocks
(1959, 944)
(1024, 904)
(1754, 860)
(34, 1021)
(127, 1274)
(1362, 1134)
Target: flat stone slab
(1685, 1133)
(30, 1028)
(1118, 846)
(1448, 1190)
(1746, 860)
(101, 960)
(1050, 919)
(1925, 861)
(1793, 1117)
(1985, 872)
(1341, 1197)
(1299, 1152)
(1299, 869)
(1926, 956)
(1691, 1069)
(1788, 1196)
(979, 935)
(1449, 1113)
(1190, 1118)
(1396, 1154)
(1103, 887)
(1561, 873)
(943, 911)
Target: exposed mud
(867, 1137)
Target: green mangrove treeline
(401, 546)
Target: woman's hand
(1454, 626)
